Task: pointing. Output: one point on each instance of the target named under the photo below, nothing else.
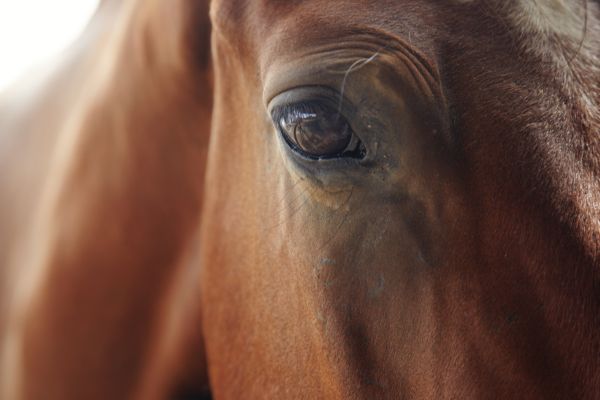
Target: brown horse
(328, 199)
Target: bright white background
(31, 31)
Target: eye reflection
(316, 130)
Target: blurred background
(32, 31)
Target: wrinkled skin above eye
(315, 130)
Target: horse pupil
(318, 134)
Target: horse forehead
(532, 18)
(545, 30)
(257, 19)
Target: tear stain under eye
(333, 197)
(336, 200)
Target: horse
(310, 199)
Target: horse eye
(317, 131)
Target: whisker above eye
(355, 66)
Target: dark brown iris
(316, 131)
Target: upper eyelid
(347, 45)
(319, 96)
(315, 93)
